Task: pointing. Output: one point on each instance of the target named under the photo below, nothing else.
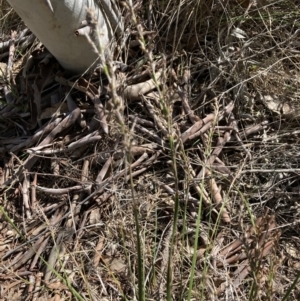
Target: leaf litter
(76, 159)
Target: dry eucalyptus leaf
(115, 265)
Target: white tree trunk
(61, 26)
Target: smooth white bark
(55, 22)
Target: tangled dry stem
(213, 106)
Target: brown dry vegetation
(176, 175)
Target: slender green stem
(291, 287)
(175, 218)
(195, 249)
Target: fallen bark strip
(166, 187)
(100, 113)
(218, 200)
(171, 191)
(138, 150)
(192, 116)
(4, 46)
(40, 250)
(135, 173)
(56, 252)
(258, 241)
(202, 193)
(280, 170)
(31, 160)
(253, 129)
(141, 121)
(192, 132)
(203, 130)
(63, 125)
(23, 43)
(235, 132)
(92, 92)
(106, 195)
(25, 257)
(220, 144)
(237, 244)
(241, 273)
(37, 241)
(188, 111)
(88, 139)
(104, 170)
(134, 92)
(54, 207)
(196, 127)
(152, 135)
(139, 77)
(60, 191)
(100, 187)
(81, 85)
(264, 226)
(216, 195)
(221, 168)
(72, 106)
(31, 140)
(204, 196)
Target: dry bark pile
(80, 155)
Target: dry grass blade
(193, 119)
